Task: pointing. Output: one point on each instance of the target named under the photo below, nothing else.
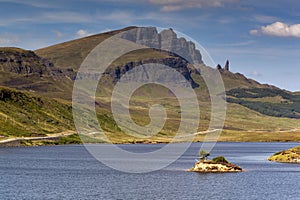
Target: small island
(216, 165)
(291, 155)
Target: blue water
(70, 172)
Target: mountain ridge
(62, 62)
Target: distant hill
(24, 70)
(23, 62)
(269, 101)
(47, 75)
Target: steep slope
(23, 62)
(71, 54)
(24, 70)
(26, 114)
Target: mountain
(255, 112)
(70, 55)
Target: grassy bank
(291, 155)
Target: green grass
(71, 54)
(272, 102)
(26, 114)
(220, 159)
(289, 155)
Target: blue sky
(260, 38)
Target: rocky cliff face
(176, 63)
(166, 40)
(114, 73)
(23, 62)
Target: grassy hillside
(26, 114)
(272, 102)
(47, 86)
(24, 70)
(71, 54)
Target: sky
(261, 39)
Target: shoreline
(226, 135)
(21, 144)
(71, 137)
(21, 141)
(291, 155)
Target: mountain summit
(167, 40)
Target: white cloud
(8, 39)
(238, 44)
(175, 5)
(278, 29)
(49, 18)
(254, 32)
(226, 20)
(265, 18)
(58, 33)
(255, 73)
(34, 3)
(120, 16)
(64, 17)
(82, 33)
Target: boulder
(219, 67)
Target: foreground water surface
(70, 172)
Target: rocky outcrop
(226, 65)
(225, 69)
(287, 156)
(219, 67)
(208, 166)
(23, 62)
(114, 73)
(166, 40)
